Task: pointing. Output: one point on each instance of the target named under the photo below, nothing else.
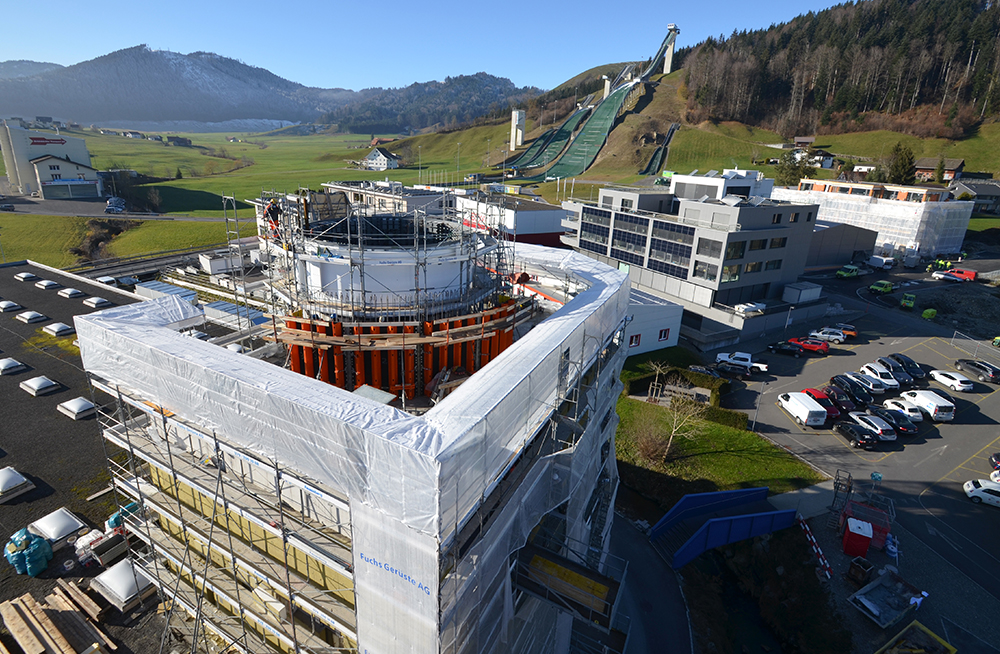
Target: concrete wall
(834, 244)
(648, 321)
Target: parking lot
(922, 473)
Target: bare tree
(660, 368)
(683, 418)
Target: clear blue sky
(388, 43)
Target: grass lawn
(981, 222)
(721, 458)
(160, 235)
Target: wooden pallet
(58, 626)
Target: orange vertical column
(393, 366)
(376, 356)
(338, 355)
(325, 364)
(295, 352)
(428, 356)
(359, 360)
(409, 367)
(309, 356)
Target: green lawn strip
(721, 458)
(45, 239)
(158, 236)
(981, 222)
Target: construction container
(857, 537)
(801, 292)
(929, 314)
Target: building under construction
(285, 504)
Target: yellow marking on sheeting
(568, 583)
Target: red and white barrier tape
(823, 563)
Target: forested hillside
(924, 67)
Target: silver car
(870, 384)
(882, 430)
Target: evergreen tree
(179, 175)
(901, 165)
(939, 171)
(789, 171)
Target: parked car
(995, 460)
(995, 476)
(849, 330)
(896, 369)
(983, 370)
(872, 385)
(839, 398)
(826, 334)
(114, 210)
(907, 408)
(811, 345)
(848, 271)
(897, 419)
(803, 408)
(732, 370)
(6, 207)
(882, 374)
(880, 428)
(858, 394)
(856, 435)
(742, 359)
(786, 347)
(983, 491)
(937, 408)
(953, 380)
(832, 412)
(949, 275)
(705, 370)
(912, 368)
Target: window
(758, 244)
(626, 204)
(709, 248)
(809, 217)
(707, 271)
(776, 219)
(736, 250)
(665, 334)
(56, 167)
(756, 266)
(56, 176)
(731, 273)
(778, 242)
(774, 264)
(794, 218)
(633, 341)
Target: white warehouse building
(53, 165)
(919, 219)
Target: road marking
(937, 452)
(934, 532)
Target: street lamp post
(420, 164)
(458, 163)
(788, 319)
(763, 385)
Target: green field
(48, 239)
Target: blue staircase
(704, 521)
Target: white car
(983, 491)
(880, 428)
(871, 384)
(835, 336)
(908, 409)
(953, 380)
(995, 476)
(880, 373)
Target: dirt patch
(99, 235)
(971, 308)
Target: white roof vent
(47, 284)
(9, 366)
(78, 408)
(97, 302)
(71, 293)
(56, 525)
(58, 329)
(40, 385)
(7, 305)
(29, 317)
(25, 277)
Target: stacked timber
(63, 624)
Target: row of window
(737, 249)
(635, 339)
(710, 272)
(793, 218)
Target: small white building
(57, 178)
(716, 185)
(22, 147)
(380, 159)
(653, 323)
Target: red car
(832, 412)
(839, 398)
(812, 345)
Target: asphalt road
(923, 473)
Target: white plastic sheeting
(412, 481)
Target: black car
(899, 422)
(896, 369)
(784, 347)
(705, 370)
(995, 460)
(732, 370)
(839, 398)
(982, 370)
(858, 393)
(911, 366)
(856, 435)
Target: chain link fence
(976, 348)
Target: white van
(935, 406)
(881, 263)
(803, 408)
